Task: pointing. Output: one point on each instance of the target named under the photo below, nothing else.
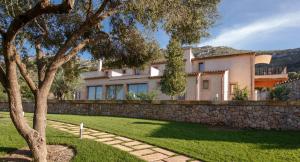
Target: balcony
(270, 70)
(269, 76)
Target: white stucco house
(209, 77)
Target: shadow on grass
(12, 159)
(7, 149)
(197, 132)
(15, 155)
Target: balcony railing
(270, 70)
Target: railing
(270, 70)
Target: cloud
(243, 34)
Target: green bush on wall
(240, 94)
(142, 96)
(280, 93)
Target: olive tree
(59, 30)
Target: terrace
(269, 75)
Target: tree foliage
(67, 80)
(294, 75)
(173, 81)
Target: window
(205, 84)
(94, 92)
(201, 67)
(115, 92)
(138, 88)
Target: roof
(207, 72)
(216, 55)
(196, 73)
(288, 81)
(100, 77)
(161, 61)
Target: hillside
(288, 57)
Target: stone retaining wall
(249, 114)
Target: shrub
(240, 94)
(280, 93)
(142, 96)
(131, 96)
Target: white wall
(226, 85)
(241, 69)
(154, 71)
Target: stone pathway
(142, 150)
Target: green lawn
(86, 150)
(200, 141)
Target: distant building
(209, 77)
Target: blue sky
(253, 25)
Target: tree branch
(24, 72)
(3, 77)
(2, 32)
(102, 7)
(50, 73)
(39, 59)
(73, 52)
(91, 21)
(61, 57)
(40, 8)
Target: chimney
(100, 65)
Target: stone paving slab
(93, 131)
(113, 142)
(177, 159)
(123, 139)
(144, 146)
(163, 151)
(88, 137)
(133, 143)
(154, 157)
(106, 136)
(142, 150)
(104, 139)
(99, 134)
(124, 148)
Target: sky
(253, 25)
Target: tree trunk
(35, 141)
(40, 111)
(39, 122)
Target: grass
(198, 141)
(86, 150)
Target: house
(209, 77)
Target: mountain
(288, 57)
